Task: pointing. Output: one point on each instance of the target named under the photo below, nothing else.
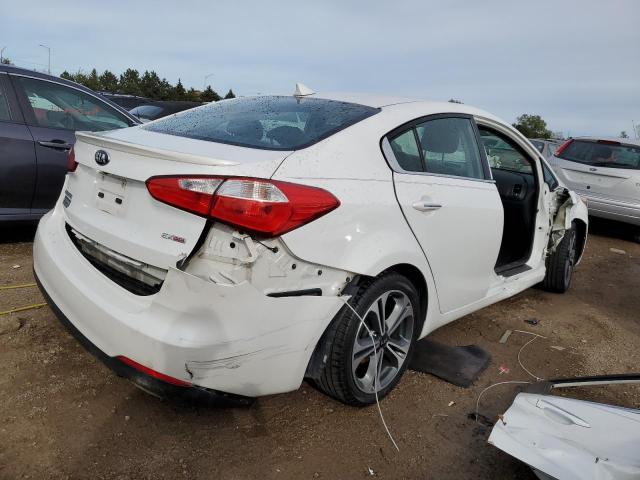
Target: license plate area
(110, 193)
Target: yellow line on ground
(22, 309)
(11, 287)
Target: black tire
(339, 378)
(561, 263)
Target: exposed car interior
(518, 187)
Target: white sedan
(232, 250)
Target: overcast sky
(576, 63)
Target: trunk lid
(110, 205)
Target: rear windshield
(271, 123)
(146, 111)
(603, 154)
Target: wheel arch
(581, 231)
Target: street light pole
(204, 84)
(49, 65)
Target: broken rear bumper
(231, 339)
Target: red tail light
(153, 373)
(265, 207)
(71, 161)
(562, 147)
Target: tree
(66, 75)
(179, 93)
(229, 94)
(130, 82)
(166, 90)
(453, 100)
(623, 134)
(151, 85)
(109, 82)
(93, 81)
(193, 95)
(210, 95)
(532, 126)
(6, 61)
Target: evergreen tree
(109, 82)
(130, 82)
(210, 95)
(151, 85)
(229, 94)
(179, 93)
(93, 81)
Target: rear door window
(502, 154)
(5, 111)
(55, 105)
(602, 153)
(270, 123)
(442, 146)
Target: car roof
(628, 141)
(367, 99)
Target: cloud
(573, 62)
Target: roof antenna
(302, 90)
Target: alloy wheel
(377, 361)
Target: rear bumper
(147, 383)
(229, 339)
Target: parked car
(604, 170)
(159, 109)
(39, 114)
(126, 101)
(235, 249)
(545, 147)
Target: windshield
(602, 153)
(271, 123)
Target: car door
(444, 187)
(17, 157)
(54, 111)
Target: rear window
(271, 123)
(602, 154)
(538, 144)
(148, 112)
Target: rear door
(54, 112)
(444, 188)
(17, 157)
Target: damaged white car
(210, 254)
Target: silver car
(606, 172)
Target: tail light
(563, 147)
(71, 161)
(266, 207)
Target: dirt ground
(65, 415)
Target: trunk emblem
(101, 157)
(175, 238)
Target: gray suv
(39, 115)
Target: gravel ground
(64, 415)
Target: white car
(212, 253)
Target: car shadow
(17, 232)
(612, 229)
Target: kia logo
(102, 157)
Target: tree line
(148, 85)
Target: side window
(448, 147)
(407, 153)
(503, 154)
(59, 106)
(549, 177)
(5, 112)
(445, 146)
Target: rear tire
(351, 366)
(561, 263)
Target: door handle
(426, 206)
(560, 415)
(55, 144)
